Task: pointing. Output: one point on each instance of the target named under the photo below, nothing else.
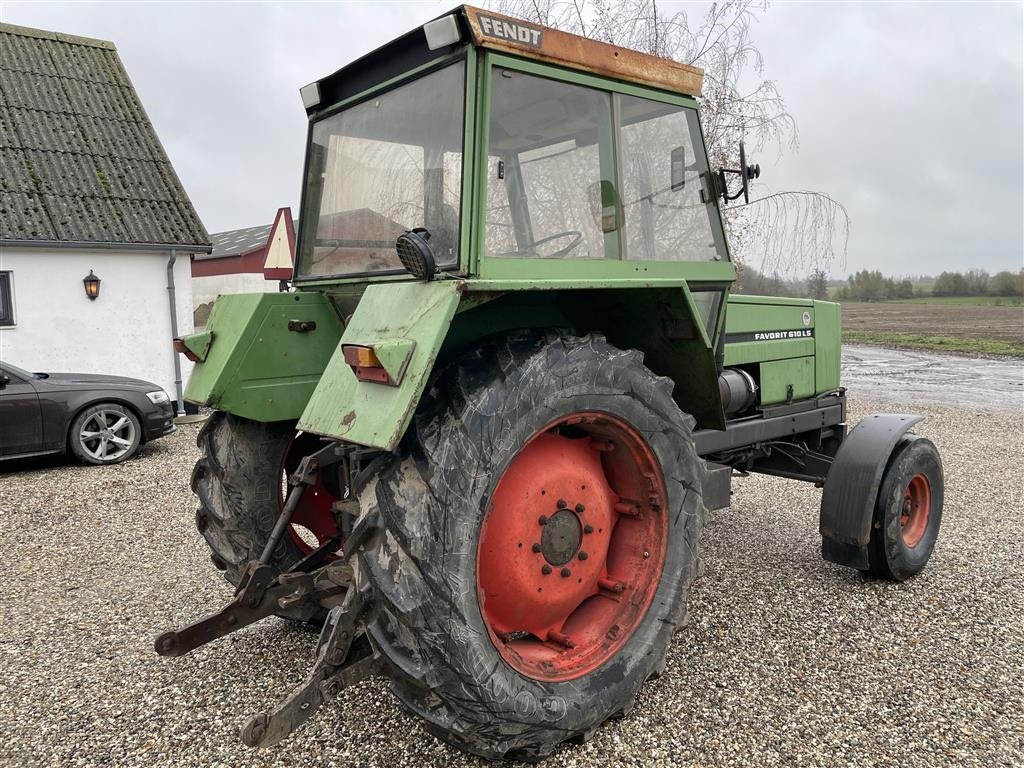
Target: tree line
(872, 285)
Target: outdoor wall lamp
(92, 286)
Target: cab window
(546, 168)
(575, 172)
(664, 214)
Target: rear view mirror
(678, 162)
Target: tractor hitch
(344, 655)
(340, 662)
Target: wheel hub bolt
(562, 504)
(583, 555)
(545, 569)
(536, 547)
(543, 520)
(588, 529)
(611, 585)
(580, 509)
(566, 573)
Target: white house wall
(126, 331)
(206, 289)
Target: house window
(6, 299)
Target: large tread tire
(238, 481)
(889, 555)
(431, 499)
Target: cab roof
(494, 31)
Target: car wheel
(106, 433)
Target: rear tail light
(180, 348)
(364, 363)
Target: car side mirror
(4, 380)
(678, 163)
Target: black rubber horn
(415, 254)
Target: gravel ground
(787, 660)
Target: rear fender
(261, 354)
(388, 317)
(851, 487)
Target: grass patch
(998, 347)
(965, 301)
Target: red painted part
(251, 262)
(553, 620)
(312, 519)
(917, 507)
(367, 373)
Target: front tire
(471, 599)
(908, 512)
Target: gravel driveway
(787, 660)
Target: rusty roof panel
(81, 161)
(25, 54)
(86, 63)
(51, 131)
(16, 176)
(511, 35)
(24, 216)
(114, 138)
(7, 135)
(59, 173)
(32, 90)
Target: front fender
(851, 487)
(371, 413)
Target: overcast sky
(911, 114)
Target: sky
(910, 114)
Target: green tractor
(478, 439)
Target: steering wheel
(576, 235)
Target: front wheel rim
(572, 546)
(917, 504)
(107, 435)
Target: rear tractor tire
(240, 480)
(908, 512)
(538, 537)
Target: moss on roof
(81, 161)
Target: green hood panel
(369, 413)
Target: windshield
(384, 166)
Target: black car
(98, 419)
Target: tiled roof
(81, 161)
(236, 242)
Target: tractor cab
(511, 153)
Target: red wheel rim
(313, 522)
(917, 505)
(572, 546)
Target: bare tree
(788, 231)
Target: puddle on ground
(910, 376)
